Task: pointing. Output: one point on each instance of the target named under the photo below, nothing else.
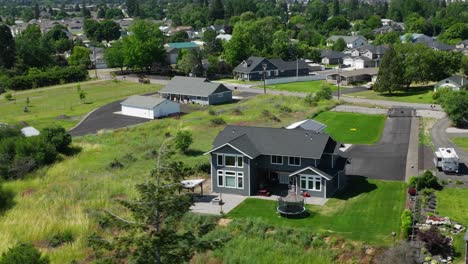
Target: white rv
(446, 159)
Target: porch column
(325, 188)
(297, 183)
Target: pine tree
(217, 10)
(336, 8)
(391, 72)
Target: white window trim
(294, 164)
(315, 178)
(217, 159)
(271, 160)
(235, 179)
(217, 177)
(240, 174)
(235, 160)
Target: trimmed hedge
(49, 77)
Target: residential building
(331, 57)
(347, 77)
(351, 41)
(359, 62)
(149, 107)
(252, 69)
(415, 38)
(173, 49)
(245, 160)
(365, 56)
(462, 44)
(196, 90)
(455, 82)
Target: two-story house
(365, 57)
(257, 68)
(297, 159)
(351, 41)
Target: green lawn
(414, 95)
(452, 202)
(353, 128)
(462, 142)
(67, 195)
(61, 104)
(367, 211)
(302, 87)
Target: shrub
(285, 109)
(237, 111)
(6, 198)
(211, 112)
(325, 93)
(435, 242)
(440, 94)
(8, 97)
(311, 100)
(426, 180)
(443, 182)
(204, 167)
(217, 121)
(183, 140)
(406, 222)
(58, 137)
(60, 238)
(458, 182)
(23, 254)
(115, 164)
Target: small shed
(30, 131)
(149, 107)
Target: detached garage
(149, 107)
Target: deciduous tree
(7, 47)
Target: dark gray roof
(439, 46)
(456, 79)
(464, 42)
(248, 64)
(308, 124)
(193, 87)
(148, 102)
(255, 141)
(332, 54)
(289, 65)
(379, 49)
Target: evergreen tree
(216, 10)
(37, 11)
(7, 47)
(336, 7)
(391, 72)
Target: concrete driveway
(385, 160)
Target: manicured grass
(67, 195)
(414, 95)
(61, 104)
(462, 142)
(302, 87)
(367, 211)
(353, 128)
(452, 202)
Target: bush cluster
(406, 222)
(426, 180)
(49, 77)
(21, 155)
(60, 238)
(24, 254)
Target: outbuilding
(149, 107)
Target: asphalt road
(104, 118)
(385, 160)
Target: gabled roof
(364, 58)
(147, 102)
(193, 87)
(347, 39)
(464, 42)
(289, 65)
(319, 172)
(308, 124)
(182, 45)
(255, 141)
(379, 49)
(331, 54)
(455, 79)
(249, 64)
(439, 46)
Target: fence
(295, 79)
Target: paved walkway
(360, 109)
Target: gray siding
(320, 193)
(220, 98)
(245, 169)
(264, 161)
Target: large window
(276, 159)
(230, 160)
(231, 179)
(295, 161)
(311, 183)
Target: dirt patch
(41, 244)
(27, 192)
(224, 222)
(62, 117)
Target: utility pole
(264, 65)
(297, 68)
(95, 62)
(338, 81)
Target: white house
(351, 41)
(359, 62)
(453, 82)
(149, 107)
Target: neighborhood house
(255, 68)
(149, 107)
(249, 160)
(455, 83)
(351, 41)
(196, 90)
(345, 77)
